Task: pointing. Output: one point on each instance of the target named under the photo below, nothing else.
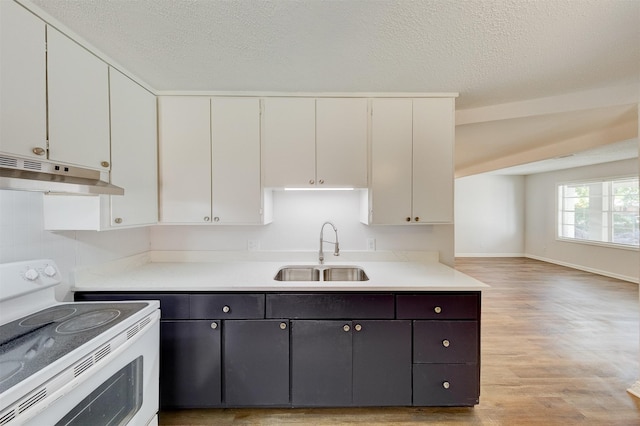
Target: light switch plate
(371, 244)
(253, 245)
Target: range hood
(44, 176)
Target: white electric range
(85, 363)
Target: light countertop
(255, 271)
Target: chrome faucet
(336, 251)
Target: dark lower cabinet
(347, 363)
(381, 363)
(256, 362)
(321, 353)
(446, 384)
(190, 364)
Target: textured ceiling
(490, 51)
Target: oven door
(123, 391)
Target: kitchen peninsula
(233, 336)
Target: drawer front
(330, 306)
(172, 306)
(445, 342)
(227, 306)
(446, 384)
(438, 306)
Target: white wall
(22, 237)
(489, 216)
(540, 230)
(298, 216)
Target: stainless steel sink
(344, 273)
(320, 273)
(298, 273)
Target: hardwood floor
(559, 347)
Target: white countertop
(255, 271)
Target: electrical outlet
(253, 245)
(371, 244)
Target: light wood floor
(559, 347)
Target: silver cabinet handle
(283, 326)
(104, 164)
(216, 219)
(446, 385)
(437, 309)
(358, 327)
(226, 309)
(321, 181)
(118, 220)
(445, 343)
(38, 151)
(346, 327)
(207, 218)
(311, 181)
(214, 325)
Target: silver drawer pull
(283, 326)
(226, 309)
(437, 309)
(346, 327)
(358, 327)
(446, 343)
(446, 385)
(214, 325)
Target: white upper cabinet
(135, 159)
(315, 142)
(341, 142)
(78, 104)
(134, 152)
(23, 113)
(412, 161)
(184, 151)
(289, 144)
(235, 159)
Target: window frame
(560, 211)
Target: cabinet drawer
(446, 384)
(172, 306)
(227, 306)
(445, 341)
(330, 306)
(438, 306)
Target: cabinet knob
(408, 219)
(283, 326)
(105, 164)
(446, 385)
(226, 309)
(216, 219)
(346, 327)
(417, 219)
(446, 343)
(321, 181)
(358, 327)
(38, 151)
(214, 325)
(437, 309)
(311, 181)
(118, 220)
(207, 219)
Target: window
(602, 211)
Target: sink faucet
(336, 252)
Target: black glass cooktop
(29, 344)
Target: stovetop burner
(29, 344)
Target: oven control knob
(50, 271)
(31, 274)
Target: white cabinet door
(289, 142)
(78, 97)
(133, 152)
(184, 138)
(235, 159)
(23, 104)
(391, 174)
(341, 142)
(433, 141)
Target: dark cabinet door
(321, 353)
(256, 362)
(381, 363)
(190, 371)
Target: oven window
(114, 402)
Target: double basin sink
(321, 273)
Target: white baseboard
(584, 268)
(490, 255)
(635, 389)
